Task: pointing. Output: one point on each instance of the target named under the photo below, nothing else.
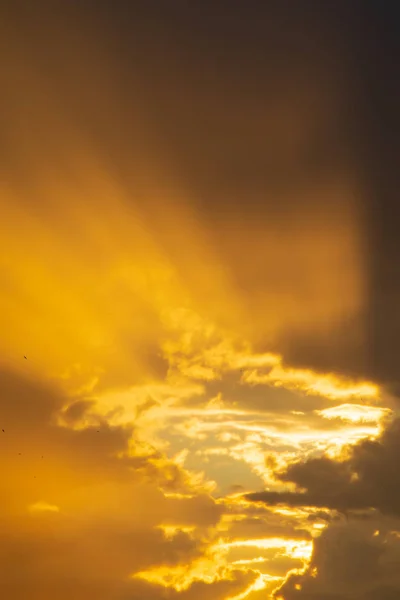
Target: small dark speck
(3, 431)
(25, 357)
(98, 431)
(19, 454)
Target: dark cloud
(76, 410)
(320, 515)
(374, 120)
(350, 562)
(366, 479)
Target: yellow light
(294, 548)
(43, 507)
(355, 413)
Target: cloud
(355, 413)
(201, 351)
(366, 478)
(84, 508)
(234, 443)
(328, 386)
(269, 525)
(235, 588)
(350, 561)
(156, 214)
(265, 540)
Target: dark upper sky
(259, 97)
(252, 106)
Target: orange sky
(191, 329)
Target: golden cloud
(356, 413)
(307, 381)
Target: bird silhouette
(25, 357)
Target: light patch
(355, 413)
(170, 531)
(177, 495)
(180, 577)
(40, 507)
(327, 385)
(242, 361)
(251, 437)
(338, 446)
(346, 435)
(301, 517)
(253, 455)
(287, 512)
(181, 457)
(200, 349)
(252, 451)
(226, 437)
(199, 372)
(259, 584)
(249, 561)
(269, 432)
(217, 357)
(300, 549)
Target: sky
(199, 290)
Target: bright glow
(355, 413)
(309, 382)
(43, 507)
(259, 584)
(181, 577)
(170, 531)
(294, 548)
(249, 561)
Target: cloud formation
(198, 297)
(354, 561)
(82, 507)
(365, 478)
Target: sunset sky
(199, 300)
